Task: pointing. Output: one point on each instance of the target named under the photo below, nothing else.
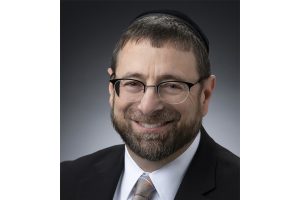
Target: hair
(161, 29)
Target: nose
(150, 102)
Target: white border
(29, 102)
(270, 99)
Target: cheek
(185, 112)
(120, 108)
(191, 110)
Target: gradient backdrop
(89, 31)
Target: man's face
(151, 128)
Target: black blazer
(214, 173)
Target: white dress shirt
(166, 179)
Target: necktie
(144, 188)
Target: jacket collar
(200, 176)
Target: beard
(155, 145)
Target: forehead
(148, 62)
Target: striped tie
(144, 188)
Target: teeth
(150, 125)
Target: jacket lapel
(102, 180)
(200, 176)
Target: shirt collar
(132, 172)
(166, 179)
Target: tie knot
(144, 188)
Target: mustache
(158, 116)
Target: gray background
(89, 32)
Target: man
(160, 89)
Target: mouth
(152, 126)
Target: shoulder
(227, 173)
(225, 161)
(85, 163)
(72, 172)
(225, 167)
(228, 164)
(91, 159)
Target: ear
(208, 87)
(110, 88)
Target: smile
(152, 126)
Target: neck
(150, 166)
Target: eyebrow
(159, 78)
(134, 75)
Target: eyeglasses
(171, 92)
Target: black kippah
(187, 20)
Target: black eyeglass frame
(189, 84)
